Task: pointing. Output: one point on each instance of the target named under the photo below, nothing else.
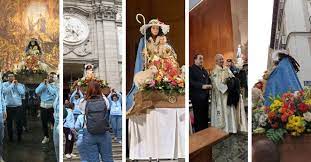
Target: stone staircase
(116, 152)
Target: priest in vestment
(222, 115)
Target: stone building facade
(291, 30)
(93, 34)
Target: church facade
(93, 34)
(291, 30)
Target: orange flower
(181, 85)
(271, 115)
(158, 78)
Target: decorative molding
(104, 12)
(81, 50)
(76, 29)
(119, 14)
(76, 11)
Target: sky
(259, 31)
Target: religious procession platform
(157, 126)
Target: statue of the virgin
(154, 50)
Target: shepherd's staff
(145, 39)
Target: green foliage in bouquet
(165, 87)
(276, 135)
(289, 114)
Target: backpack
(96, 116)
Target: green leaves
(276, 135)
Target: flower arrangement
(84, 83)
(169, 78)
(32, 62)
(288, 114)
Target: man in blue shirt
(54, 90)
(2, 119)
(13, 93)
(46, 105)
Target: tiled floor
(233, 149)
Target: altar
(157, 134)
(156, 126)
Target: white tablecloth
(160, 133)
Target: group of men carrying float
(13, 97)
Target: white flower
(262, 119)
(297, 94)
(307, 116)
(155, 58)
(165, 79)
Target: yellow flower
(277, 104)
(308, 102)
(296, 125)
(158, 78)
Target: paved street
(30, 149)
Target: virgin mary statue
(283, 77)
(156, 49)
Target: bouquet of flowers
(289, 113)
(169, 78)
(84, 83)
(32, 62)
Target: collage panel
(155, 80)
(29, 86)
(218, 72)
(281, 93)
(92, 71)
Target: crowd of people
(90, 116)
(223, 89)
(16, 99)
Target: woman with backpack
(96, 135)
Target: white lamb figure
(141, 77)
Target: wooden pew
(201, 143)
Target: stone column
(99, 41)
(111, 46)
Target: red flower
(287, 97)
(284, 118)
(292, 106)
(174, 83)
(271, 115)
(303, 107)
(274, 125)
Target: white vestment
(223, 116)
